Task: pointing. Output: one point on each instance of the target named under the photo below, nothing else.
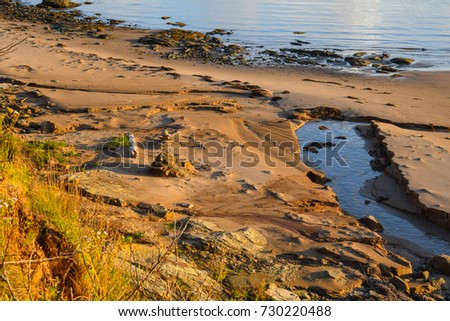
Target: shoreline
(122, 88)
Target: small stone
(185, 205)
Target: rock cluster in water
(60, 4)
(381, 63)
(186, 44)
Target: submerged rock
(357, 62)
(402, 61)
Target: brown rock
(371, 223)
(441, 263)
(426, 287)
(400, 284)
(59, 4)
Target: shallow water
(399, 27)
(348, 166)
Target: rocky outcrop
(59, 4)
(201, 234)
(159, 273)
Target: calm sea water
(413, 28)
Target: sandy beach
(241, 140)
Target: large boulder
(60, 4)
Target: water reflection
(347, 24)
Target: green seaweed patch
(117, 142)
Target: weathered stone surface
(329, 280)
(426, 287)
(202, 234)
(275, 293)
(441, 263)
(371, 223)
(197, 285)
(261, 93)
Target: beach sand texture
(91, 90)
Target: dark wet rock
(402, 61)
(359, 54)
(371, 223)
(317, 177)
(440, 263)
(271, 53)
(233, 49)
(59, 4)
(299, 43)
(357, 62)
(63, 21)
(400, 284)
(318, 145)
(321, 113)
(316, 53)
(185, 44)
(177, 24)
(388, 69)
(114, 22)
(165, 17)
(220, 32)
(323, 127)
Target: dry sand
(97, 89)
